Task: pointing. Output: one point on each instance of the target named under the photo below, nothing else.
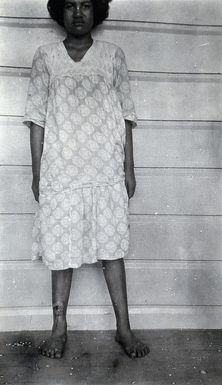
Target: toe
(141, 350)
(133, 354)
(129, 352)
(43, 352)
(42, 349)
(58, 353)
(147, 350)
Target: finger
(36, 196)
(131, 193)
(127, 187)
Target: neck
(79, 41)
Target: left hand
(130, 181)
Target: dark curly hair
(100, 10)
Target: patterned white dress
(82, 215)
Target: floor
(94, 358)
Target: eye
(86, 5)
(68, 6)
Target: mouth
(78, 22)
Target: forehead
(77, 1)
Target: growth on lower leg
(61, 284)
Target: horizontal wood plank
(102, 318)
(196, 192)
(159, 48)
(178, 144)
(149, 283)
(156, 144)
(151, 238)
(161, 97)
(190, 192)
(15, 140)
(169, 11)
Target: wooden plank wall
(174, 267)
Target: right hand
(35, 187)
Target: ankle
(59, 318)
(59, 326)
(123, 327)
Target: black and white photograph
(111, 192)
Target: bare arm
(36, 144)
(130, 179)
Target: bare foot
(131, 345)
(54, 347)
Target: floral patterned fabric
(82, 214)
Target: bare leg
(61, 284)
(115, 276)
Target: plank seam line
(141, 77)
(177, 215)
(132, 264)
(167, 23)
(175, 73)
(135, 261)
(123, 21)
(139, 214)
(134, 71)
(142, 125)
(177, 168)
(136, 167)
(21, 214)
(142, 120)
(110, 306)
(24, 72)
(174, 120)
(130, 261)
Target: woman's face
(78, 16)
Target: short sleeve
(37, 98)
(122, 86)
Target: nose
(78, 10)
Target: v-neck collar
(83, 58)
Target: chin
(78, 31)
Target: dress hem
(71, 266)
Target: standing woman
(80, 113)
